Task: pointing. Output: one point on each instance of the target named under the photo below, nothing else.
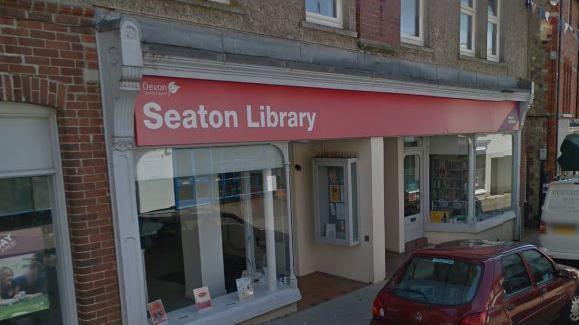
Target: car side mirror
(562, 273)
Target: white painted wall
(364, 262)
(503, 232)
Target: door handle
(510, 307)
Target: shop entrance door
(413, 189)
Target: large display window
(36, 282)
(470, 178)
(210, 217)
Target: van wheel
(574, 310)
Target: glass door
(413, 216)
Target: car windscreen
(439, 281)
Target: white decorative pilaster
(130, 260)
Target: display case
(336, 201)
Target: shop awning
(569, 159)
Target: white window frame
(497, 21)
(336, 22)
(413, 39)
(471, 11)
(225, 2)
(65, 274)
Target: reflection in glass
(493, 197)
(411, 185)
(322, 7)
(466, 3)
(492, 39)
(203, 215)
(410, 19)
(449, 179)
(28, 270)
(465, 31)
(492, 8)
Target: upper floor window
(493, 30)
(324, 12)
(467, 26)
(411, 21)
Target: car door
(543, 274)
(522, 299)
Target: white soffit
(181, 67)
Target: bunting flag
(543, 13)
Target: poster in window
(24, 272)
(335, 194)
(202, 298)
(24, 286)
(331, 231)
(157, 312)
(244, 288)
(340, 211)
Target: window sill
(416, 47)
(471, 228)
(232, 7)
(229, 310)
(335, 30)
(472, 58)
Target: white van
(559, 229)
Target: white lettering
(272, 118)
(250, 122)
(189, 119)
(172, 119)
(215, 119)
(292, 121)
(148, 110)
(203, 114)
(311, 121)
(231, 116)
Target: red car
(479, 282)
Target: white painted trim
(180, 67)
(471, 228)
(337, 22)
(471, 11)
(65, 275)
(409, 39)
(497, 21)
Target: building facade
(553, 57)
(163, 147)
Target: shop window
(494, 175)
(467, 26)
(324, 12)
(449, 173)
(209, 217)
(36, 280)
(411, 185)
(493, 30)
(28, 268)
(411, 21)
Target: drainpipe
(558, 84)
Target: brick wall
(378, 22)
(48, 57)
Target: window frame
(530, 269)
(525, 266)
(471, 11)
(496, 20)
(409, 39)
(65, 275)
(335, 22)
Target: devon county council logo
(173, 88)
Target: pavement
(354, 308)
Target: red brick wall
(568, 64)
(378, 21)
(48, 57)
